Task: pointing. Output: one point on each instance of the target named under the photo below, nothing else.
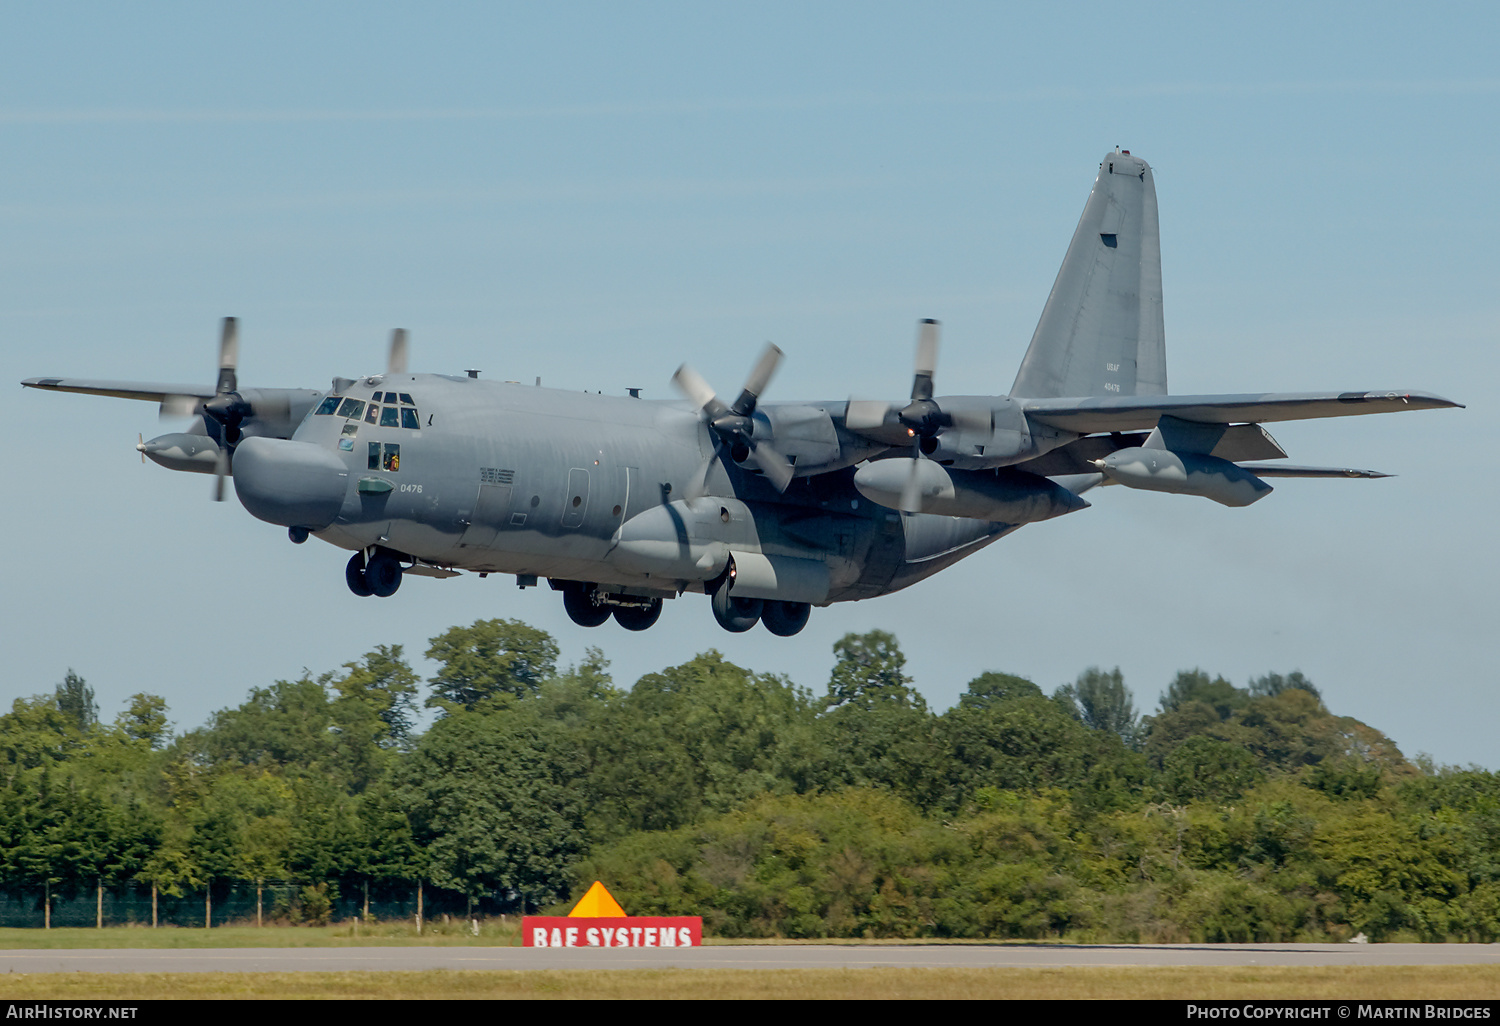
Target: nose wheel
(380, 576)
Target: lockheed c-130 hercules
(768, 508)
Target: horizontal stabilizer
(1142, 412)
(1283, 470)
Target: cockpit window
(409, 418)
(329, 405)
(372, 415)
(352, 408)
(390, 417)
(406, 400)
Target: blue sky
(593, 193)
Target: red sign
(612, 932)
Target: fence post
(208, 904)
(153, 904)
(99, 904)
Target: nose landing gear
(380, 576)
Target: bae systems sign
(598, 921)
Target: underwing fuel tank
(1006, 496)
(1184, 473)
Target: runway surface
(823, 956)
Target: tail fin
(1101, 331)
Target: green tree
(990, 688)
(870, 670)
(145, 720)
(1273, 684)
(1196, 686)
(1102, 702)
(496, 801)
(490, 658)
(75, 700)
(382, 685)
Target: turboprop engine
(1007, 496)
(1185, 473)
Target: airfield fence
(235, 904)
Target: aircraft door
(491, 511)
(576, 501)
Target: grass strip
(1407, 983)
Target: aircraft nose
(294, 484)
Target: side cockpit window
(329, 405)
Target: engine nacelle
(1184, 473)
(197, 454)
(1006, 496)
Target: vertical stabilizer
(1101, 331)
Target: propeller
(921, 418)
(733, 425)
(396, 364)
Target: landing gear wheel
(578, 600)
(638, 618)
(784, 619)
(383, 575)
(736, 615)
(354, 574)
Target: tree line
(1228, 813)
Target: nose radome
(294, 484)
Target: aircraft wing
(1141, 412)
(151, 391)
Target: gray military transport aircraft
(768, 508)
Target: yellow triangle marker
(597, 903)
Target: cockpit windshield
(387, 409)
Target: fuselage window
(352, 408)
(390, 417)
(372, 415)
(374, 463)
(409, 418)
(392, 457)
(329, 405)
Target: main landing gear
(738, 615)
(587, 606)
(380, 575)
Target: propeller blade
(759, 378)
(229, 356)
(911, 495)
(221, 468)
(927, 350)
(396, 364)
(697, 486)
(179, 406)
(699, 392)
(140, 446)
(776, 467)
(866, 414)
